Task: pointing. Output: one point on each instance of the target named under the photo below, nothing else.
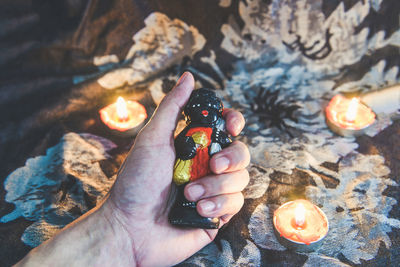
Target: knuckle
(215, 188)
(245, 150)
(238, 143)
(240, 118)
(226, 200)
(228, 112)
(236, 203)
(236, 114)
(240, 146)
(242, 153)
(245, 176)
(210, 187)
(241, 200)
(224, 184)
(247, 156)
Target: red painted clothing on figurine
(200, 163)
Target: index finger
(234, 121)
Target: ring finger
(222, 205)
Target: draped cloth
(278, 62)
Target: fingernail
(182, 78)
(195, 191)
(207, 206)
(221, 164)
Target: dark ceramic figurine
(203, 136)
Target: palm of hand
(143, 209)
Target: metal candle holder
(299, 246)
(346, 132)
(332, 116)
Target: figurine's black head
(204, 107)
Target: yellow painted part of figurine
(182, 171)
(200, 138)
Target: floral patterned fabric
(277, 61)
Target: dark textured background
(46, 44)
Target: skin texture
(130, 228)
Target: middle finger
(235, 157)
(214, 185)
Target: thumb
(165, 118)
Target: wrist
(117, 241)
(95, 239)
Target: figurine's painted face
(203, 107)
(202, 115)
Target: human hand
(130, 227)
(137, 206)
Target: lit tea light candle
(124, 117)
(351, 112)
(122, 109)
(348, 117)
(300, 216)
(300, 225)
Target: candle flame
(351, 112)
(122, 110)
(300, 215)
